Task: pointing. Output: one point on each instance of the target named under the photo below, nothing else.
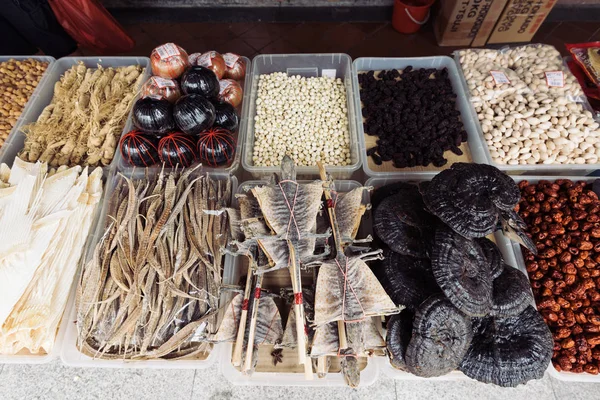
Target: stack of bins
(40, 99)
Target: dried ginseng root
(152, 287)
(83, 122)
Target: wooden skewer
(236, 359)
(253, 319)
(322, 366)
(341, 327)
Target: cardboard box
(488, 21)
(521, 20)
(459, 22)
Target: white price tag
(499, 77)
(555, 78)
(163, 83)
(205, 60)
(167, 50)
(328, 73)
(230, 59)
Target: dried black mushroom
(509, 351)
(462, 272)
(399, 332)
(492, 255)
(512, 293)
(406, 201)
(407, 280)
(397, 235)
(470, 197)
(441, 337)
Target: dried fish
(152, 288)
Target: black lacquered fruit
(139, 149)
(226, 117)
(193, 114)
(216, 147)
(153, 115)
(177, 149)
(200, 80)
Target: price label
(328, 73)
(230, 59)
(555, 78)
(163, 83)
(205, 60)
(167, 50)
(499, 77)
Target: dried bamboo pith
(151, 289)
(83, 122)
(45, 217)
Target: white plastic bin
(239, 135)
(70, 354)
(503, 243)
(474, 140)
(367, 376)
(39, 88)
(562, 375)
(44, 96)
(534, 169)
(309, 65)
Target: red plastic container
(409, 15)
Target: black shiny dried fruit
(509, 351)
(399, 333)
(462, 272)
(470, 197)
(441, 337)
(407, 280)
(511, 293)
(492, 255)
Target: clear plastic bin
(243, 110)
(503, 243)
(474, 139)
(309, 65)
(46, 92)
(367, 376)
(34, 95)
(562, 375)
(534, 169)
(70, 354)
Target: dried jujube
(139, 149)
(440, 339)
(177, 149)
(509, 351)
(216, 147)
(413, 112)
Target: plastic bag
(587, 56)
(88, 22)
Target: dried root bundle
(82, 124)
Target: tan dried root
(86, 116)
(150, 290)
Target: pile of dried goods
(413, 113)
(465, 308)
(281, 229)
(18, 80)
(151, 289)
(45, 217)
(304, 118)
(189, 112)
(83, 123)
(529, 106)
(563, 219)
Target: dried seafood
(45, 217)
(151, 289)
